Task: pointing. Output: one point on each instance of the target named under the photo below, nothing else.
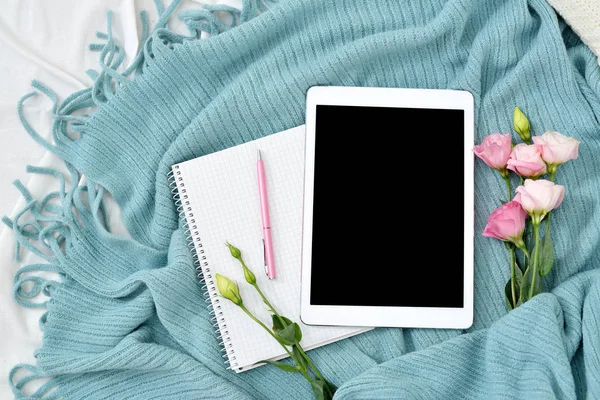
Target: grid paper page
(222, 189)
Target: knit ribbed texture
(129, 320)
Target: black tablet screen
(388, 207)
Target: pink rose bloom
(526, 160)
(538, 197)
(557, 148)
(507, 222)
(495, 150)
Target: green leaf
(332, 387)
(518, 277)
(530, 246)
(290, 335)
(521, 266)
(277, 325)
(508, 295)
(282, 366)
(526, 283)
(528, 233)
(300, 357)
(508, 290)
(507, 300)
(297, 332)
(318, 387)
(546, 254)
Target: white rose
(557, 148)
(540, 196)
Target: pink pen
(266, 220)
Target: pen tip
(259, 157)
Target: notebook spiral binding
(203, 272)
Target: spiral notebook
(217, 195)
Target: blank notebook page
(222, 191)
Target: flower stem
(521, 246)
(548, 222)
(536, 232)
(282, 321)
(508, 189)
(297, 354)
(243, 307)
(315, 369)
(552, 175)
(512, 276)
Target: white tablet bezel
(372, 316)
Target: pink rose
(507, 222)
(495, 150)
(526, 160)
(538, 197)
(557, 148)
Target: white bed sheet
(47, 41)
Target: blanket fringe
(46, 391)
(69, 117)
(48, 231)
(36, 285)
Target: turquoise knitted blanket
(128, 319)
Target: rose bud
(236, 253)
(228, 289)
(521, 125)
(557, 148)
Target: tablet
(387, 230)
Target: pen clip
(265, 257)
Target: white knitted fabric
(584, 18)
